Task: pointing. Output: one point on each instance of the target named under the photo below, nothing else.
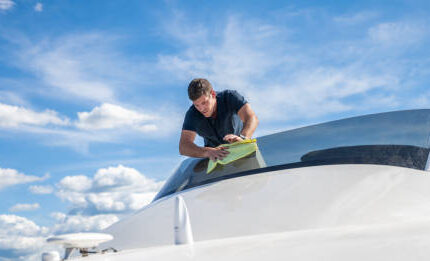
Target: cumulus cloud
(20, 226)
(24, 207)
(21, 247)
(41, 189)
(78, 223)
(10, 177)
(22, 239)
(111, 124)
(20, 235)
(38, 7)
(111, 190)
(14, 116)
(75, 183)
(6, 4)
(121, 176)
(110, 116)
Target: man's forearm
(192, 150)
(249, 126)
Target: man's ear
(213, 94)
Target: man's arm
(187, 147)
(250, 123)
(249, 119)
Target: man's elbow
(184, 149)
(181, 150)
(254, 120)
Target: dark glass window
(395, 138)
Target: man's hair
(199, 87)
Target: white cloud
(119, 176)
(283, 82)
(106, 202)
(112, 190)
(14, 116)
(81, 66)
(76, 183)
(107, 123)
(22, 239)
(315, 93)
(396, 33)
(77, 199)
(58, 216)
(24, 207)
(86, 67)
(110, 116)
(6, 4)
(38, 7)
(41, 189)
(78, 140)
(241, 55)
(12, 225)
(79, 223)
(233, 60)
(10, 177)
(21, 243)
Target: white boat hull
(335, 212)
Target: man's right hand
(217, 153)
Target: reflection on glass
(396, 138)
(394, 128)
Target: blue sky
(93, 93)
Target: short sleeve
(189, 121)
(235, 100)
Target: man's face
(205, 104)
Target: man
(223, 117)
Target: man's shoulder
(192, 117)
(193, 114)
(231, 97)
(226, 92)
(228, 95)
(192, 111)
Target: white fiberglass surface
(311, 198)
(406, 240)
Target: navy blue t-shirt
(226, 121)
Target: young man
(218, 117)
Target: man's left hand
(230, 138)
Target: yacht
(350, 189)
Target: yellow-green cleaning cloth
(237, 151)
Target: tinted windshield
(395, 138)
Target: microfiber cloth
(237, 151)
